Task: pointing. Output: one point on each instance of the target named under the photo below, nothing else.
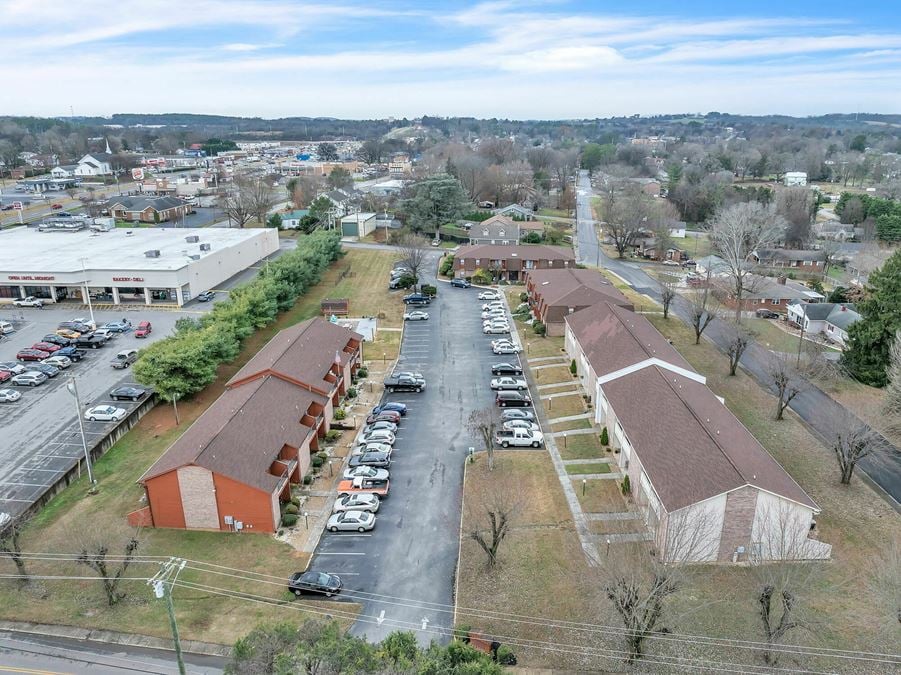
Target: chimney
(781, 280)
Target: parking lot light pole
(175, 407)
(87, 293)
(73, 389)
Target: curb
(114, 637)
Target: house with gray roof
(148, 209)
(829, 319)
(804, 260)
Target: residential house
(510, 263)
(829, 319)
(148, 209)
(795, 178)
(343, 203)
(95, 164)
(516, 211)
(495, 230)
(803, 260)
(704, 486)
(357, 225)
(291, 219)
(400, 165)
(66, 171)
(555, 294)
(387, 221)
(833, 229)
(770, 293)
(235, 465)
(713, 266)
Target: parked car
(416, 316)
(58, 361)
(30, 378)
(372, 447)
(357, 502)
(54, 339)
(105, 333)
(143, 330)
(30, 301)
(766, 314)
(6, 328)
(124, 358)
(379, 460)
(365, 472)
(47, 369)
(104, 413)
(510, 399)
(506, 369)
(48, 347)
(12, 367)
(403, 383)
(68, 333)
(520, 424)
(519, 438)
(32, 355)
(85, 321)
(410, 373)
(517, 414)
(489, 295)
(56, 207)
(78, 327)
(496, 329)
(314, 582)
(5, 375)
(460, 283)
(671, 263)
(9, 395)
(206, 296)
(417, 299)
(494, 304)
(494, 313)
(119, 326)
(386, 415)
(380, 425)
(506, 382)
(90, 340)
(351, 521)
(72, 353)
(128, 393)
(391, 406)
(377, 437)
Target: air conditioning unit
(194, 256)
(192, 239)
(626, 465)
(204, 247)
(152, 254)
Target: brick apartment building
(554, 294)
(511, 263)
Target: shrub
(627, 488)
(447, 266)
(323, 456)
(316, 461)
(340, 414)
(523, 297)
(462, 631)
(429, 290)
(308, 479)
(289, 519)
(352, 392)
(539, 328)
(291, 509)
(406, 281)
(532, 238)
(605, 437)
(572, 366)
(362, 372)
(295, 501)
(480, 276)
(332, 435)
(505, 656)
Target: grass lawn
(563, 406)
(553, 375)
(635, 525)
(73, 517)
(864, 401)
(772, 337)
(587, 468)
(556, 213)
(571, 424)
(696, 246)
(582, 446)
(601, 496)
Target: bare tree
(891, 406)
(797, 206)
(787, 375)
(702, 310)
(238, 203)
(667, 295)
(851, 445)
(414, 248)
(260, 195)
(10, 548)
(490, 515)
(736, 232)
(95, 554)
(626, 214)
(830, 249)
(483, 424)
(738, 337)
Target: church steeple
(108, 151)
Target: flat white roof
(24, 249)
(355, 217)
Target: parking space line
(38, 485)
(10, 499)
(35, 468)
(336, 553)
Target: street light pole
(175, 407)
(73, 389)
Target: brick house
(704, 486)
(148, 209)
(496, 230)
(774, 294)
(237, 462)
(554, 294)
(511, 263)
(802, 260)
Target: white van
(38, 195)
(6, 328)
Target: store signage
(128, 278)
(30, 277)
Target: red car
(384, 416)
(46, 347)
(143, 330)
(56, 207)
(32, 355)
(5, 375)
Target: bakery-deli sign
(117, 279)
(31, 277)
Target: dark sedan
(314, 582)
(379, 460)
(460, 283)
(391, 406)
(57, 340)
(505, 369)
(128, 393)
(73, 353)
(48, 370)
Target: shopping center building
(153, 265)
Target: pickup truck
(124, 359)
(90, 340)
(519, 438)
(403, 383)
(361, 485)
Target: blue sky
(523, 59)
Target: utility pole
(162, 588)
(73, 389)
(801, 339)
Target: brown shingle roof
(690, 445)
(613, 337)
(242, 432)
(575, 288)
(521, 251)
(304, 353)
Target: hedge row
(187, 361)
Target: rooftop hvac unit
(152, 254)
(192, 239)
(204, 247)
(194, 256)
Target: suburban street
(408, 561)
(823, 415)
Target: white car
(357, 502)
(494, 320)
(671, 263)
(506, 348)
(105, 333)
(497, 304)
(30, 301)
(416, 316)
(85, 321)
(520, 424)
(351, 521)
(496, 329)
(517, 383)
(381, 436)
(30, 378)
(494, 313)
(104, 413)
(364, 471)
(9, 395)
(489, 295)
(363, 448)
(58, 361)
(380, 425)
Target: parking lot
(402, 572)
(40, 437)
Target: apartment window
(774, 301)
(530, 264)
(477, 262)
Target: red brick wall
(244, 503)
(164, 499)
